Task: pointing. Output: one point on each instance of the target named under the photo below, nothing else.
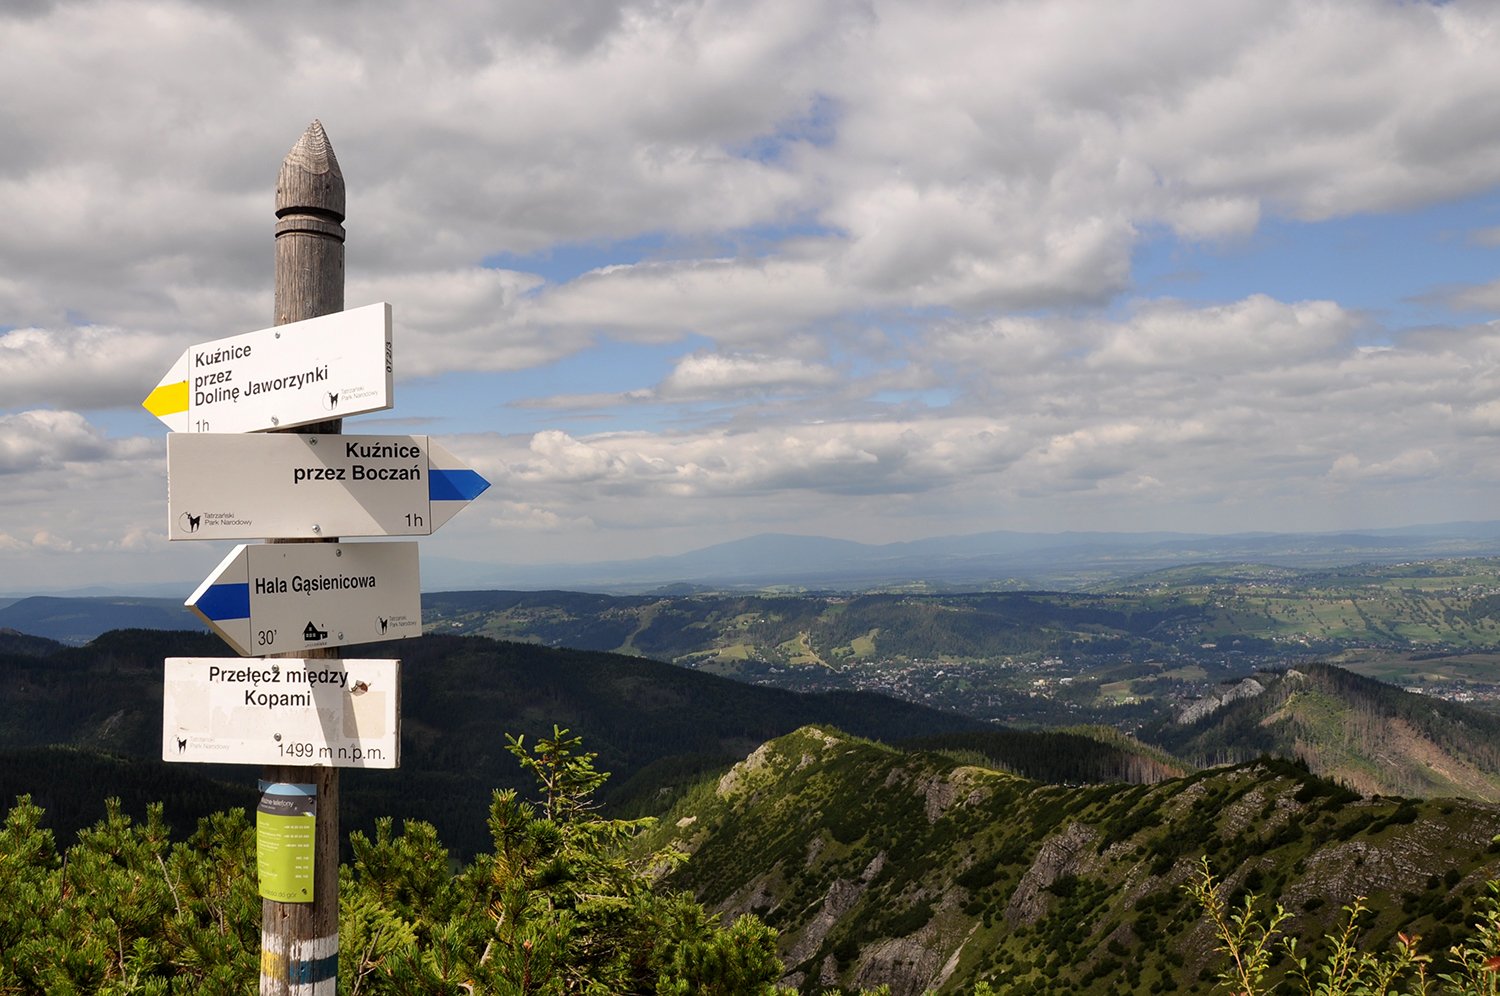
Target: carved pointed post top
(311, 181)
(309, 231)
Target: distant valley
(1123, 655)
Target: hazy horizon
(763, 560)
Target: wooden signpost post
(300, 710)
(299, 942)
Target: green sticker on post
(285, 829)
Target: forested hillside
(659, 727)
(1358, 731)
(885, 844)
(921, 872)
(1070, 757)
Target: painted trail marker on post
(294, 597)
(296, 374)
(231, 710)
(289, 486)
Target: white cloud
(462, 319)
(532, 518)
(1013, 170)
(1255, 332)
(832, 458)
(1483, 418)
(52, 439)
(1219, 406)
(88, 367)
(735, 302)
(1409, 465)
(1211, 218)
(716, 375)
(1297, 114)
(1476, 297)
(71, 489)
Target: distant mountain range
(1004, 560)
(76, 621)
(1016, 560)
(995, 561)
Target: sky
(670, 274)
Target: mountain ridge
(1371, 736)
(924, 873)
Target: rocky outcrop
(1210, 704)
(841, 897)
(737, 777)
(1061, 854)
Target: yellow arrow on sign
(167, 399)
(170, 399)
(327, 367)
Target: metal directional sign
(291, 597)
(289, 486)
(338, 713)
(280, 377)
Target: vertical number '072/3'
(265, 637)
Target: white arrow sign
(291, 597)
(288, 486)
(338, 713)
(280, 377)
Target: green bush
(1252, 943)
(555, 908)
